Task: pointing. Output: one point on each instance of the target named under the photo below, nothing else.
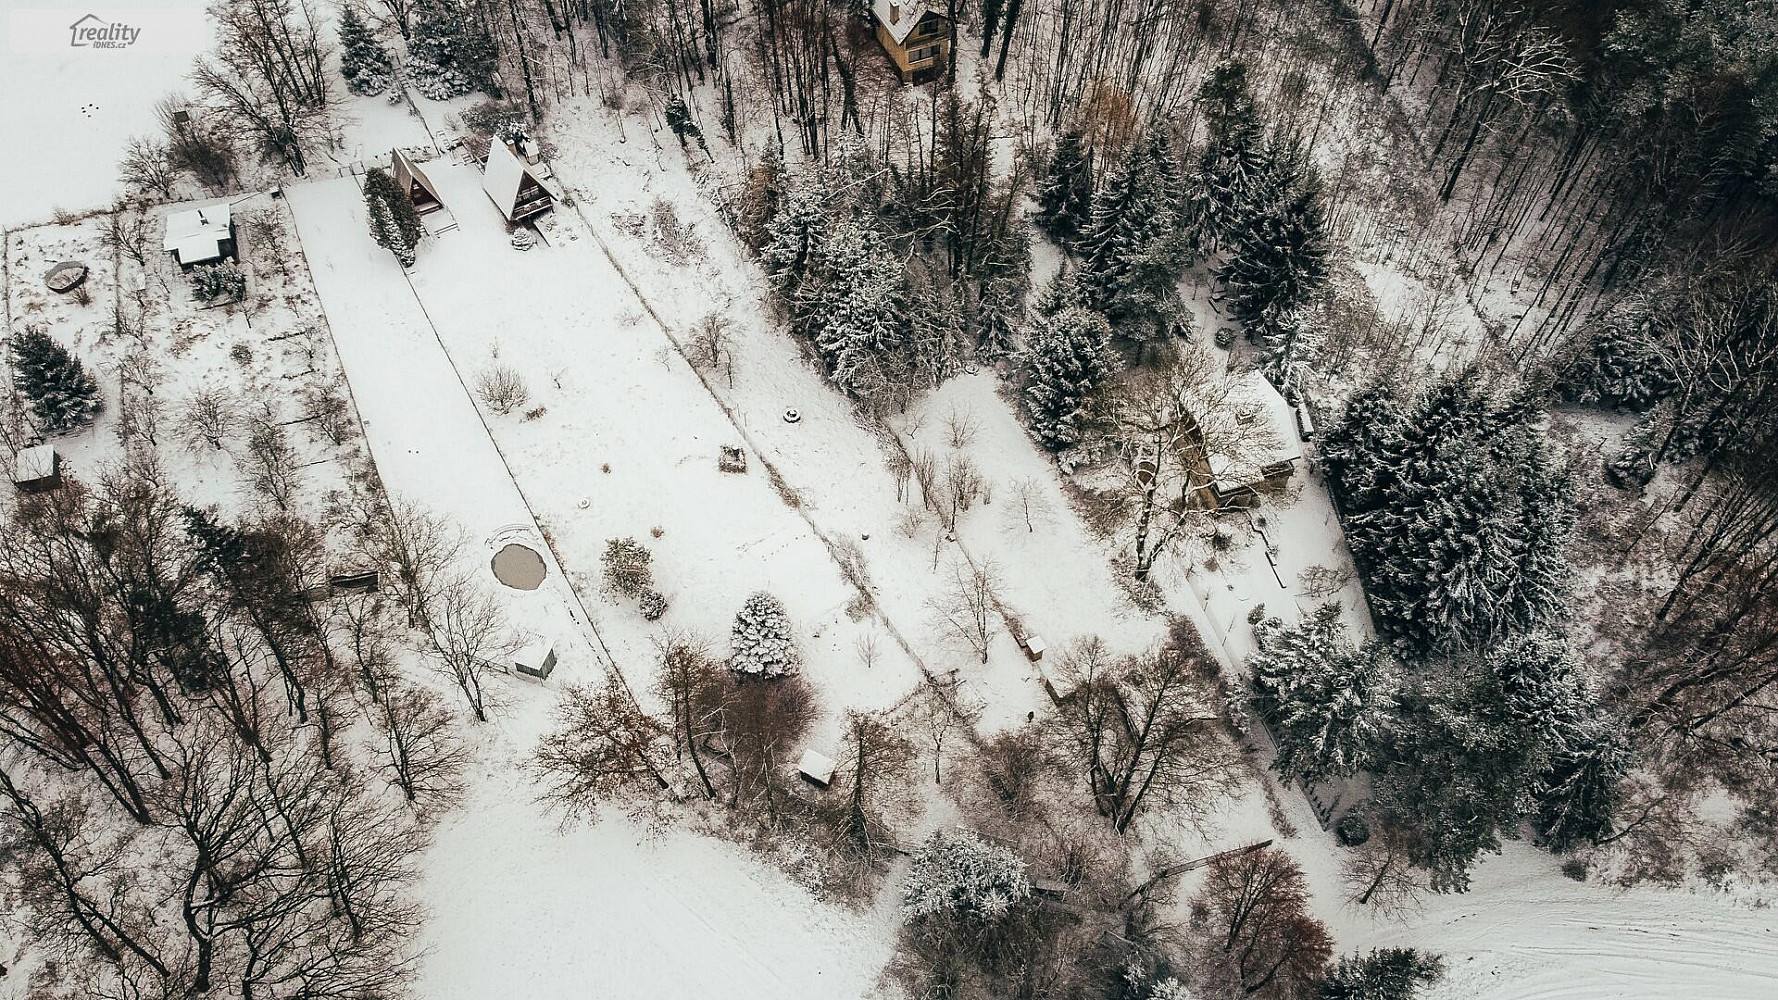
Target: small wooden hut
(410, 178)
(38, 469)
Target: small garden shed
(38, 469)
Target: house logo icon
(94, 32)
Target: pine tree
(1068, 359)
(61, 393)
(793, 233)
(958, 876)
(1278, 265)
(1131, 265)
(364, 62)
(449, 50)
(1231, 175)
(856, 307)
(1328, 703)
(626, 564)
(1384, 974)
(394, 224)
(761, 642)
(1064, 198)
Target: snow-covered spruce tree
(793, 233)
(958, 877)
(1384, 974)
(626, 563)
(855, 310)
(449, 51)
(1358, 452)
(1065, 196)
(1275, 266)
(1329, 704)
(1459, 515)
(761, 643)
(1231, 173)
(1617, 364)
(1130, 259)
(394, 224)
(364, 62)
(223, 282)
(61, 393)
(1068, 360)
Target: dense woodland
(1466, 235)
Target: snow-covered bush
(222, 282)
(627, 569)
(502, 388)
(761, 641)
(957, 875)
(652, 603)
(61, 393)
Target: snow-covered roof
(35, 463)
(504, 177)
(196, 234)
(817, 766)
(1257, 399)
(534, 654)
(901, 20)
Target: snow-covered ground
(68, 113)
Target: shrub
(218, 283)
(1575, 869)
(502, 388)
(627, 568)
(652, 603)
(1352, 830)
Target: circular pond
(519, 567)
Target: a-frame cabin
(410, 178)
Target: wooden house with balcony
(917, 38)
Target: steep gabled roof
(912, 11)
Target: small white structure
(200, 235)
(535, 659)
(816, 768)
(513, 185)
(39, 469)
(1034, 647)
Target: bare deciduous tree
(877, 757)
(471, 639)
(420, 749)
(148, 166)
(1139, 732)
(711, 346)
(602, 746)
(502, 388)
(208, 416)
(1270, 943)
(969, 609)
(271, 464)
(1027, 506)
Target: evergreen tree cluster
(1456, 509)
(61, 393)
(957, 876)
(1384, 974)
(450, 51)
(394, 223)
(1068, 360)
(761, 642)
(1131, 255)
(1484, 742)
(1329, 704)
(364, 62)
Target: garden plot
(428, 442)
(283, 433)
(618, 439)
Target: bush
(502, 388)
(652, 603)
(1352, 830)
(627, 568)
(223, 282)
(1575, 869)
